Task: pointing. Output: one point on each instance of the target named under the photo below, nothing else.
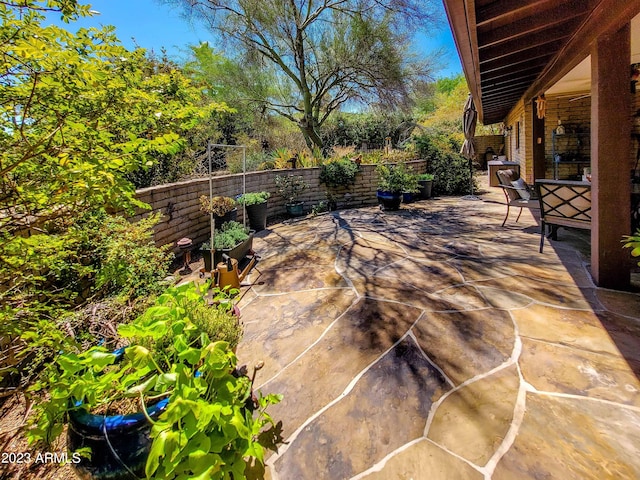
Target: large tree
(304, 59)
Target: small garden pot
(257, 215)
(227, 217)
(120, 444)
(425, 188)
(295, 209)
(389, 200)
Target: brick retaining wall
(180, 206)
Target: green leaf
(190, 355)
(138, 355)
(238, 421)
(165, 443)
(143, 387)
(99, 359)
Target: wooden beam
(500, 66)
(549, 39)
(513, 10)
(519, 71)
(610, 153)
(494, 84)
(510, 89)
(562, 15)
(536, 52)
(502, 104)
(608, 15)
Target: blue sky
(155, 25)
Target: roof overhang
(518, 49)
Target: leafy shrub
(451, 170)
(230, 235)
(358, 128)
(281, 157)
(396, 178)
(130, 264)
(290, 187)
(339, 172)
(217, 205)
(425, 177)
(209, 414)
(253, 198)
(219, 323)
(100, 258)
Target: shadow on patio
(432, 340)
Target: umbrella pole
(472, 196)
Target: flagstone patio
(431, 343)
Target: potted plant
(255, 204)
(290, 187)
(411, 187)
(632, 242)
(197, 415)
(232, 239)
(425, 182)
(223, 209)
(392, 181)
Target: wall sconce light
(506, 131)
(560, 128)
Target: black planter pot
(119, 444)
(257, 215)
(425, 188)
(295, 209)
(227, 217)
(238, 252)
(389, 200)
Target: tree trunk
(311, 136)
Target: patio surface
(431, 343)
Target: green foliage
(339, 172)
(130, 264)
(253, 198)
(425, 177)
(79, 114)
(219, 323)
(206, 431)
(346, 129)
(396, 178)
(633, 242)
(230, 235)
(440, 109)
(281, 157)
(451, 170)
(290, 187)
(96, 256)
(217, 205)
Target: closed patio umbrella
(468, 150)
